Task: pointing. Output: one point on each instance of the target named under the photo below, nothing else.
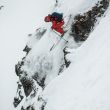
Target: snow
(38, 57)
(18, 18)
(85, 85)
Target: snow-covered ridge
(40, 65)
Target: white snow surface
(40, 58)
(18, 18)
(85, 85)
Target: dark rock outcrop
(1, 7)
(27, 85)
(19, 96)
(84, 24)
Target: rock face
(1, 7)
(85, 23)
(80, 29)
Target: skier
(57, 22)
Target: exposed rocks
(1, 7)
(28, 108)
(85, 23)
(26, 49)
(27, 85)
(18, 66)
(19, 96)
(81, 28)
(67, 63)
(40, 81)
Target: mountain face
(49, 74)
(85, 23)
(1, 7)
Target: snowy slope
(85, 85)
(38, 70)
(17, 19)
(37, 55)
(40, 66)
(39, 58)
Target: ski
(61, 37)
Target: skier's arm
(47, 18)
(60, 24)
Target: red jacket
(57, 26)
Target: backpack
(57, 16)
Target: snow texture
(76, 87)
(44, 81)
